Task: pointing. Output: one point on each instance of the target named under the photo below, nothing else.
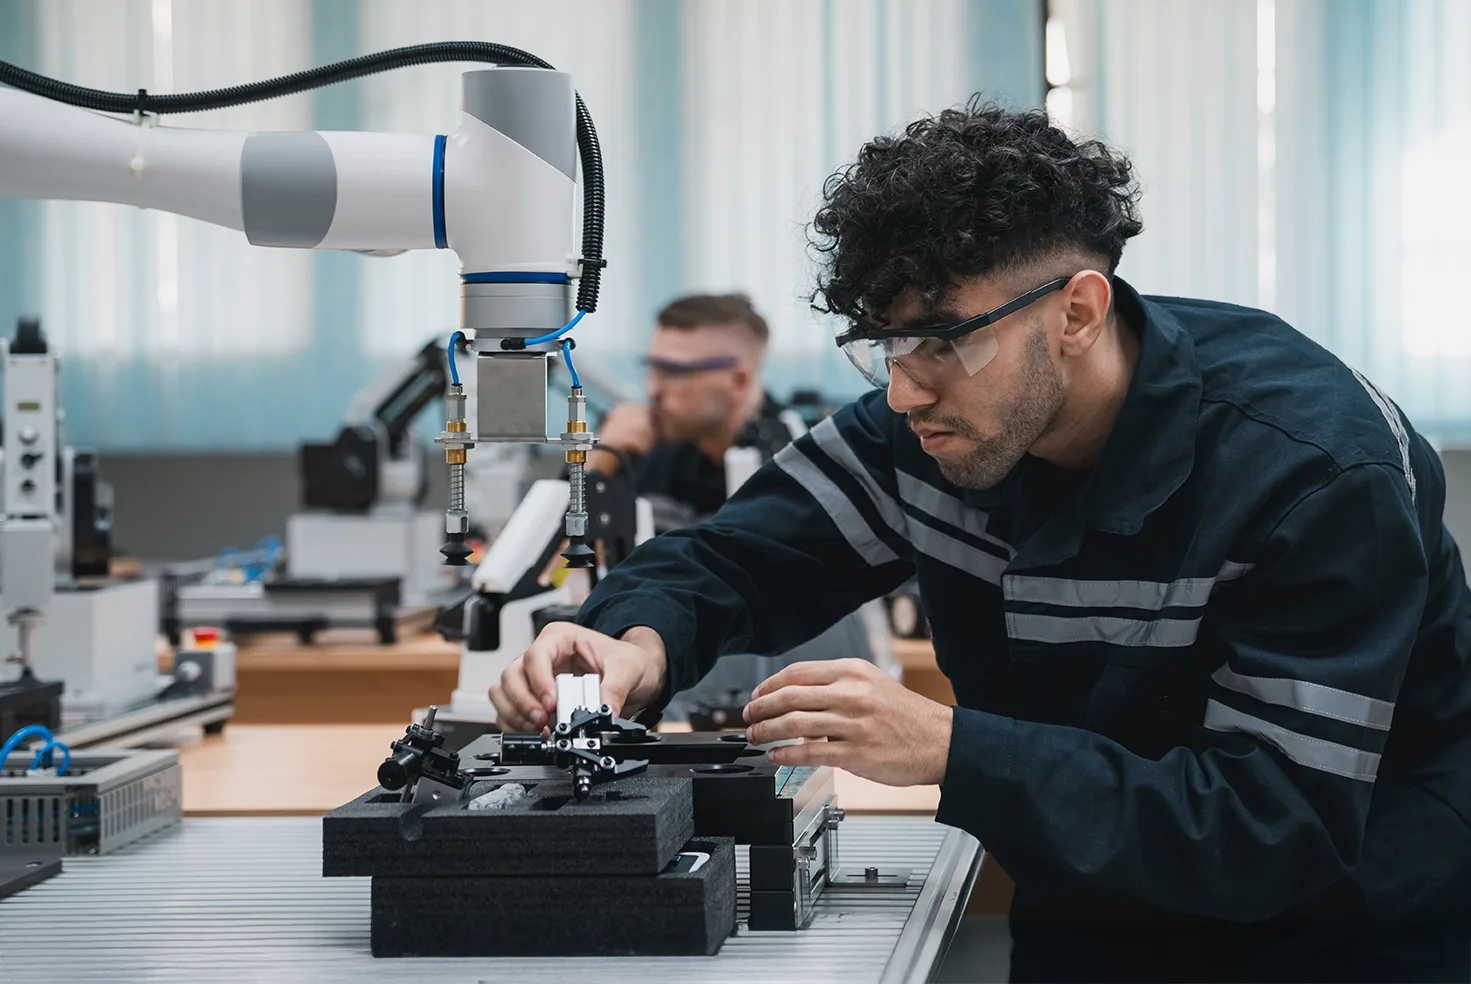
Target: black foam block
(775, 911)
(672, 913)
(631, 826)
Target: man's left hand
(873, 726)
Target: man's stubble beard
(1039, 397)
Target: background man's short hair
(696, 310)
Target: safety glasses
(677, 368)
(936, 355)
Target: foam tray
(672, 913)
(629, 827)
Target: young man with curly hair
(1186, 571)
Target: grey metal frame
(135, 793)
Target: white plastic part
(577, 691)
(49, 150)
(643, 523)
(740, 464)
(480, 668)
(385, 191)
(505, 209)
(524, 539)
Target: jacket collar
(1151, 449)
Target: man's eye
(934, 348)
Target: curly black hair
(972, 191)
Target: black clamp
(420, 754)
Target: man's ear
(1086, 301)
(743, 377)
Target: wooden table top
(309, 770)
(347, 649)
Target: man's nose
(904, 393)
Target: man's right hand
(633, 671)
(628, 427)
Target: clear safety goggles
(934, 356)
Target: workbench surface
(243, 899)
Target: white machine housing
(388, 542)
(99, 641)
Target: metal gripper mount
(457, 443)
(577, 441)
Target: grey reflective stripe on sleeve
(927, 498)
(827, 437)
(1187, 592)
(948, 550)
(1396, 426)
(1310, 698)
(288, 189)
(926, 539)
(1159, 632)
(1325, 756)
(1190, 592)
(840, 510)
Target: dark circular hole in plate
(723, 769)
(739, 736)
(482, 771)
(646, 738)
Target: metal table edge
(937, 912)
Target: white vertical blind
(1307, 155)
(1173, 85)
(156, 285)
(777, 96)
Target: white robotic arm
(499, 191)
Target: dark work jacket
(1214, 698)
(681, 472)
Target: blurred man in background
(705, 397)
